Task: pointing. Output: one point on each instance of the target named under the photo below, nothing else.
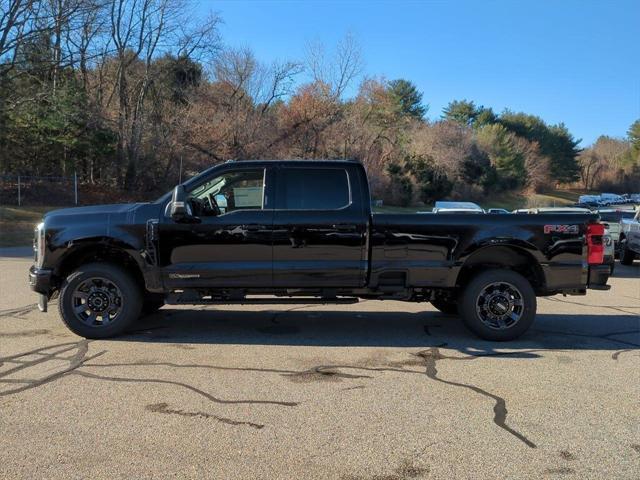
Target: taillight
(595, 243)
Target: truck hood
(93, 210)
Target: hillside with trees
(128, 92)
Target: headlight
(39, 245)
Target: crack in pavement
(428, 359)
(202, 393)
(18, 311)
(616, 355)
(500, 408)
(75, 362)
(79, 358)
(164, 408)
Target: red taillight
(595, 243)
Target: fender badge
(561, 229)
(183, 276)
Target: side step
(181, 299)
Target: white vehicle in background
(457, 207)
(611, 199)
(635, 197)
(498, 210)
(630, 239)
(589, 199)
(612, 219)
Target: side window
(239, 190)
(313, 189)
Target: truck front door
(231, 244)
(319, 228)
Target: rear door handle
(344, 227)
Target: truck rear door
(319, 228)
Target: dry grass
(17, 223)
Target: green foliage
(555, 141)
(433, 183)
(634, 137)
(401, 186)
(178, 76)
(504, 154)
(408, 98)
(463, 112)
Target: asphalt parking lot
(375, 390)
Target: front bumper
(598, 276)
(40, 280)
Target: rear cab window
(313, 189)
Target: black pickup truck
(303, 232)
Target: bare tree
(338, 70)
(140, 30)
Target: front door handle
(344, 227)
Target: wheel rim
(97, 302)
(500, 305)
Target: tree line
(128, 93)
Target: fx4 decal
(561, 229)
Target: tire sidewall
(477, 284)
(131, 300)
(626, 255)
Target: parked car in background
(635, 197)
(589, 199)
(609, 257)
(612, 218)
(612, 199)
(630, 239)
(498, 211)
(457, 207)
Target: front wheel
(498, 305)
(99, 300)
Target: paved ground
(377, 390)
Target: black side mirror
(179, 208)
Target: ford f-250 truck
(303, 231)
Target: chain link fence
(30, 190)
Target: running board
(179, 300)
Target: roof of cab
(326, 162)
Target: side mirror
(179, 208)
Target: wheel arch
(103, 250)
(509, 257)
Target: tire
(104, 290)
(449, 308)
(498, 305)
(626, 255)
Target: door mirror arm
(179, 208)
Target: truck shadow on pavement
(296, 327)
(627, 271)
